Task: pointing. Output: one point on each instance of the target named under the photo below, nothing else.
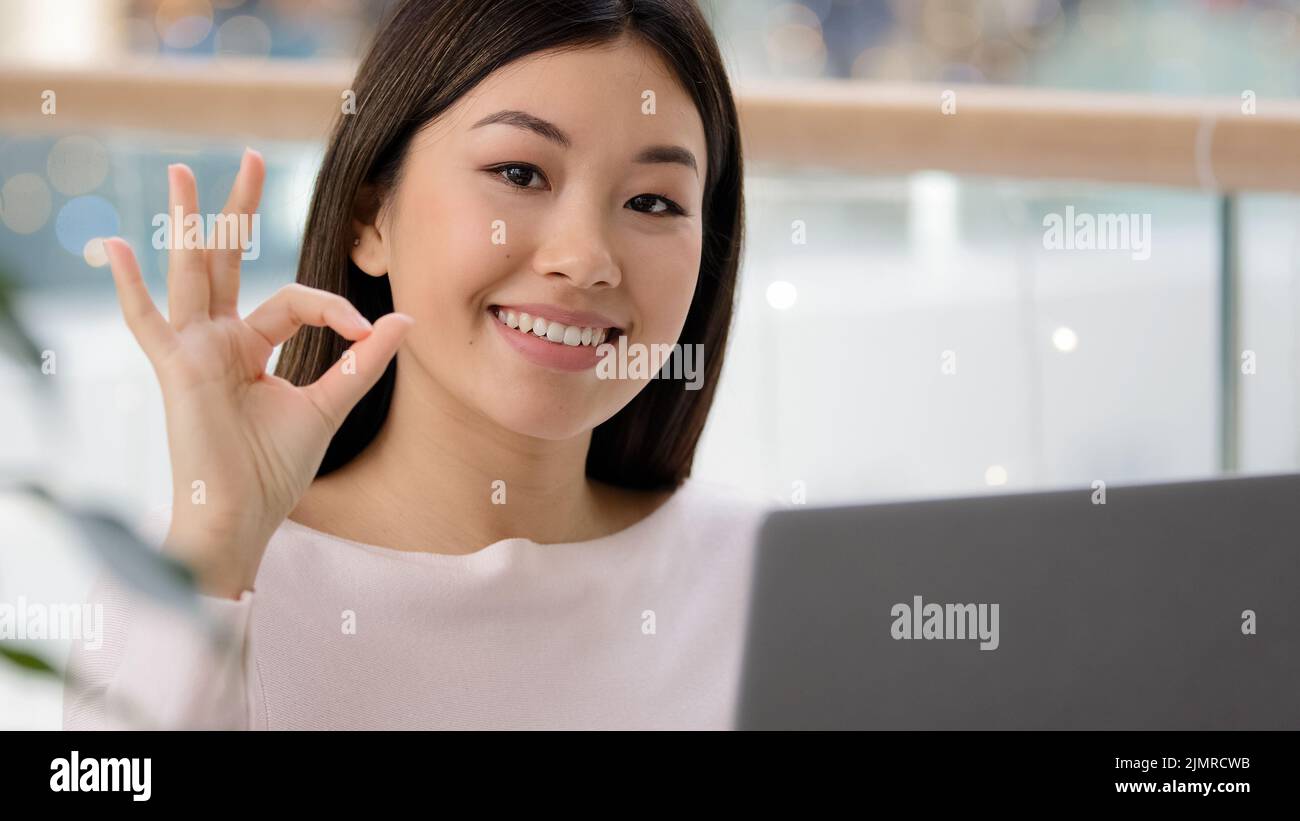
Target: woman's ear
(369, 250)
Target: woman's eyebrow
(550, 131)
(524, 120)
(668, 153)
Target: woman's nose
(577, 247)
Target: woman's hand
(253, 440)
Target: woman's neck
(440, 478)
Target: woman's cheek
(665, 294)
(452, 252)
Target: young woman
(437, 513)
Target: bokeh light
(245, 36)
(794, 40)
(782, 295)
(183, 23)
(1035, 24)
(26, 202)
(94, 253)
(1065, 339)
(77, 165)
(82, 219)
(995, 476)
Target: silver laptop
(1170, 606)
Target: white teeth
(557, 332)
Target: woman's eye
(656, 205)
(517, 175)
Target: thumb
(340, 388)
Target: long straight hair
(425, 56)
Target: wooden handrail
(230, 99)
(1027, 133)
(849, 125)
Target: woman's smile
(543, 339)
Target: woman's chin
(558, 419)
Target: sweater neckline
(630, 531)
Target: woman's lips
(544, 352)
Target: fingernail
(410, 320)
(362, 321)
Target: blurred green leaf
(150, 571)
(137, 564)
(163, 578)
(26, 661)
(13, 334)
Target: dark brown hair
(425, 57)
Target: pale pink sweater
(642, 629)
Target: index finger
(148, 327)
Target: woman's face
(554, 189)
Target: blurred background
(902, 332)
